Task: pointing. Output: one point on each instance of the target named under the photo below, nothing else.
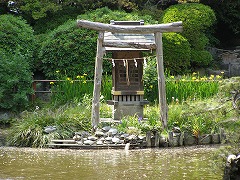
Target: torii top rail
(157, 29)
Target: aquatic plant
(66, 89)
(181, 88)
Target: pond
(166, 163)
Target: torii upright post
(97, 81)
(161, 79)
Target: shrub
(55, 19)
(15, 81)
(197, 19)
(68, 49)
(176, 53)
(15, 34)
(72, 50)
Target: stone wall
(229, 61)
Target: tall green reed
(182, 88)
(69, 89)
(178, 89)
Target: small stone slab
(215, 138)
(63, 141)
(205, 139)
(189, 139)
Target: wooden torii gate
(157, 29)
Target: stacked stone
(108, 136)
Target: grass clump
(28, 129)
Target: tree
(228, 20)
(197, 19)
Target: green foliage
(55, 19)
(15, 81)
(229, 85)
(182, 88)
(105, 15)
(28, 130)
(176, 51)
(69, 49)
(197, 19)
(16, 35)
(72, 50)
(136, 125)
(66, 89)
(106, 87)
(227, 12)
(201, 57)
(199, 117)
(38, 9)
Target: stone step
(62, 141)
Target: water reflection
(178, 163)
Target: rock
(215, 138)
(76, 137)
(49, 129)
(163, 141)
(189, 139)
(131, 137)
(232, 168)
(99, 142)
(176, 130)
(121, 141)
(99, 133)
(113, 131)
(102, 139)
(88, 142)
(115, 140)
(106, 128)
(85, 134)
(141, 137)
(92, 138)
(231, 158)
(123, 136)
(238, 158)
(108, 138)
(79, 142)
(205, 139)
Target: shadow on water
(176, 163)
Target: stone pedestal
(125, 109)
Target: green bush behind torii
(197, 21)
(73, 50)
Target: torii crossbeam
(157, 30)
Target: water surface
(168, 164)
